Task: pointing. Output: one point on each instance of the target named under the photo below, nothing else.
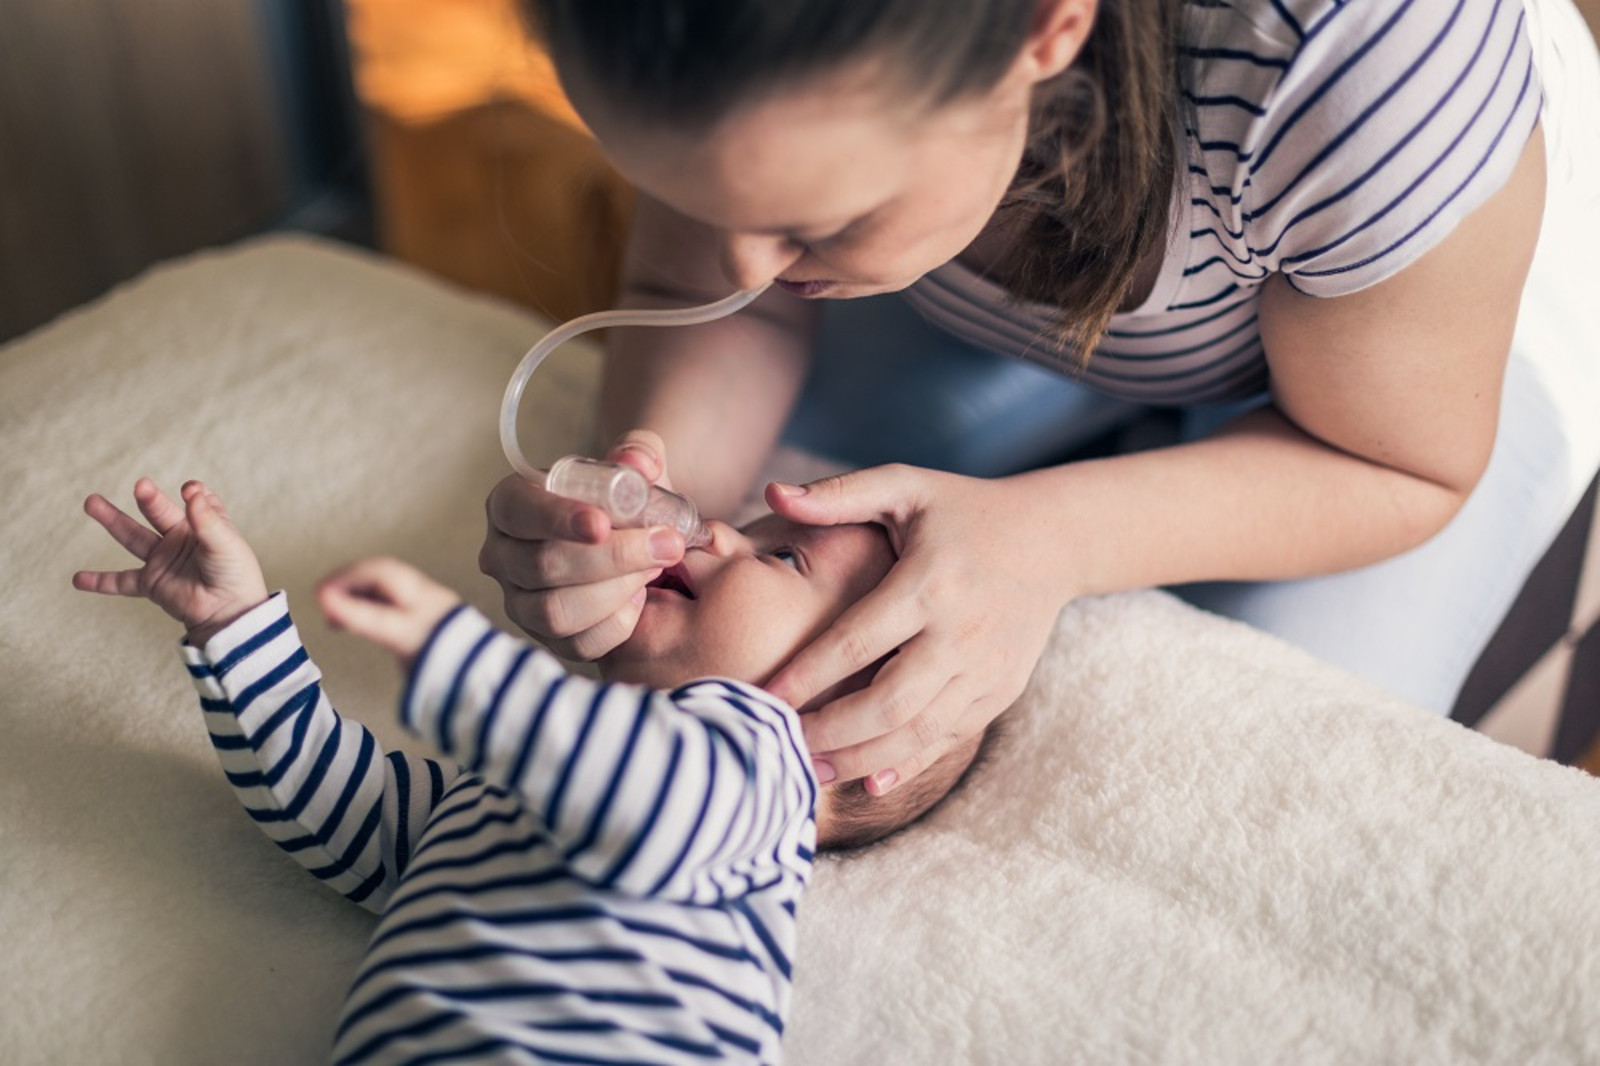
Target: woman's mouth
(806, 289)
(674, 579)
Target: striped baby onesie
(1330, 141)
(599, 874)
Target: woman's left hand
(967, 609)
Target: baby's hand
(197, 566)
(392, 604)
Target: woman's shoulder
(1278, 31)
(1270, 54)
(1338, 140)
(1268, 83)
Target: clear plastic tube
(612, 488)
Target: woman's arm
(717, 395)
(1386, 403)
(1385, 408)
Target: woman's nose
(752, 259)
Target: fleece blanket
(1193, 844)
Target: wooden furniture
(481, 171)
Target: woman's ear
(1059, 29)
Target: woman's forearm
(718, 394)
(1259, 501)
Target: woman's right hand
(570, 580)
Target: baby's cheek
(772, 650)
(647, 657)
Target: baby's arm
(319, 785)
(316, 784)
(691, 795)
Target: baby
(599, 871)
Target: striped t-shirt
(1330, 141)
(601, 873)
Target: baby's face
(742, 606)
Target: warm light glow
(421, 60)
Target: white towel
(1194, 845)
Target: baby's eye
(786, 555)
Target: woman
(1316, 218)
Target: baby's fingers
(384, 581)
(387, 602)
(382, 623)
(123, 529)
(209, 500)
(108, 582)
(160, 511)
(203, 509)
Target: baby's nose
(725, 540)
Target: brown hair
(857, 818)
(1091, 197)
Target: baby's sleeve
(318, 785)
(701, 794)
(1392, 123)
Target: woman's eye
(833, 239)
(788, 556)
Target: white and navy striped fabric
(602, 873)
(1330, 141)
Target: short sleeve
(1390, 124)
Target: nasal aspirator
(620, 491)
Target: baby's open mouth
(674, 578)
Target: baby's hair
(858, 818)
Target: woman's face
(834, 189)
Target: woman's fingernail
(664, 546)
(785, 489)
(638, 598)
(824, 771)
(884, 780)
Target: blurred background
(133, 131)
(136, 130)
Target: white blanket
(1195, 844)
